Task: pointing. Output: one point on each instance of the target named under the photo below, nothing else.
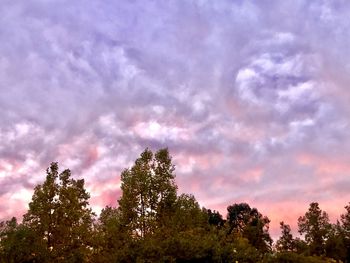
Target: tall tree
(60, 216)
(111, 241)
(345, 226)
(315, 225)
(187, 237)
(188, 214)
(165, 188)
(249, 223)
(335, 245)
(286, 241)
(149, 190)
(41, 215)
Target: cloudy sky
(251, 97)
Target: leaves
(154, 224)
(249, 223)
(315, 225)
(286, 242)
(149, 192)
(60, 217)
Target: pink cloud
(326, 165)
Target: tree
(247, 222)
(165, 195)
(188, 236)
(188, 214)
(149, 192)
(315, 225)
(243, 251)
(111, 242)
(41, 216)
(335, 244)
(60, 216)
(17, 243)
(345, 230)
(214, 218)
(345, 222)
(286, 241)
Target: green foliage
(301, 247)
(285, 242)
(315, 225)
(18, 243)
(188, 236)
(214, 218)
(249, 223)
(345, 231)
(243, 251)
(154, 224)
(291, 257)
(188, 214)
(335, 246)
(111, 241)
(149, 192)
(60, 217)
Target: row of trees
(152, 223)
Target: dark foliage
(154, 224)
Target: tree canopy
(315, 225)
(153, 223)
(60, 217)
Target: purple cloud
(250, 97)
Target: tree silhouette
(60, 216)
(154, 224)
(249, 223)
(315, 225)
(286, 241)
(149, 191)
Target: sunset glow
(251, 98)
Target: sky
(251, 98)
